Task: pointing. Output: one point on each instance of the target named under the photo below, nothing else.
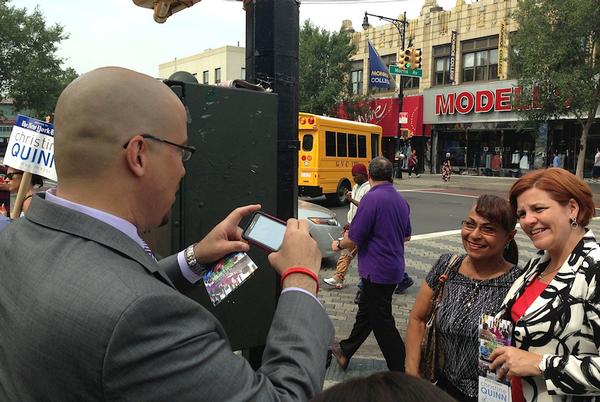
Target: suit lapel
(66, 220)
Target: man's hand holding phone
(225, 238)
(298, 250)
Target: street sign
(411, 73)
(394, 69)
(403, 117)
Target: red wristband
(300, 270)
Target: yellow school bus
(329, 148)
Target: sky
(119, 33)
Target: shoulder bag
(432, 348)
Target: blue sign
(378, 73)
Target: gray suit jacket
(86, 314)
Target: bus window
(341, 144)
(307, 142)
(352, 145)
(329, 143)
(374, 145)
(362, 146)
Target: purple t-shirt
(378, 229)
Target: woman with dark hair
(389, 386)
(555, 303)
(14, 177)
(476, 284)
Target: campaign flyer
(493, 332)
(226, 275)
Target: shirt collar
(118, 223)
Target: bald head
(98, 112)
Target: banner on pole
(31, 147)
(452, 64)
(501, 50)
(379, 77)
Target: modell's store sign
(482, 101)
(490, 101)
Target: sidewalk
(478, 184)
(420, 256)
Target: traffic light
(404, 61)
(415, 58)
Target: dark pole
(401, 27)
(272, 46)
(401, 90)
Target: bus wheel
(339, 198)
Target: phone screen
(265, 231)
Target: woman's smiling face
(544, 220)
(481, 238)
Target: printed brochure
(226, 275)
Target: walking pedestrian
(379, 229)
(399, 160)
(447, 168)
(412, 163)
(360, 188)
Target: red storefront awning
(384, 113)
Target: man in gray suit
(87, 314)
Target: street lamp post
(401, 27)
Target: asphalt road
(430, 210)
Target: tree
(556, 59)
(324, 69)
(30, 71)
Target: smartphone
(265, 231)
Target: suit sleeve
(578, 374)
(167, 347)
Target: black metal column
(272, 35)
(272, 46)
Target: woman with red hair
(555, 303)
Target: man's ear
(136, 154)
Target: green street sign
(394, 69)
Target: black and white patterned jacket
(563, 325)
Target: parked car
(324, 227)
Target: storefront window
(484, 150)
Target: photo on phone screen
(265, 231)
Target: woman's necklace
(547, 272)
(477, 279)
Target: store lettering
(465, 102)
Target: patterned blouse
(464, 301)
(563, 325)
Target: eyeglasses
(485, 229)
(10, 176)
(186, 150)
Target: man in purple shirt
(379, 230)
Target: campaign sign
(493, 391)
(31, 147)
